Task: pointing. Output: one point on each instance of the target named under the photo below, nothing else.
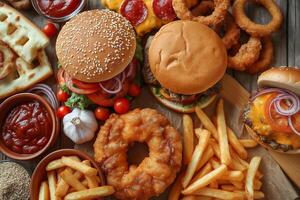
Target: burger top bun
(187, 57)
(96, 45)
(281, 77)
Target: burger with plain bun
(273, 114)
(185, 62)
(96, 52)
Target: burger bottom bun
(256, 137)
(180, 108)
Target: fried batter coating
(157, 171)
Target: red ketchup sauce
(27, 128)
(58, 8)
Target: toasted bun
(180, 107)
(281, 77)
(96, 45)
(187, 57)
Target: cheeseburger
(96, 51)
(273, 114)
(185, 60)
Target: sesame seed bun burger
(273, 113)
(96, 51)
(184, 62)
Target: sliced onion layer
(117, 86)
(47, 91)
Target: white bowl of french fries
(68, 174)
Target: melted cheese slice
(260, 125)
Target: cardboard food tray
(276, 186)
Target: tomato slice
(296, 121)
(134, 11)
(102, 99)
(277, 122)
(83, 85)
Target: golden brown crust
(96, 45)
(156, 172)
(187, 57)
(281, 77)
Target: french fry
(176, 188)
(233, 176)
(191, 197)
(215, 148)
(71, 180)
(85, 183)
(205, 180)
(257, 184)
(207, 155)
(248, 143)
(229, 187)
(236, 145)
(253, 167)
(56, 164)
(222, 133)
(44, 193)
(52, 180)
(214, 163)
(214, 184)
(92, 181)
(91, 193)
(79, 166)
(207, 123)
(197, 155)
(256, 195)
(237, 184)
(61, 188)
(219, 194)
(188, 139)
(206, 169)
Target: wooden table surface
(287, 52)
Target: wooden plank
(293, 32)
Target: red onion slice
(292, 126)
(266, 91)
(293, 109)
(47, 91)
(119, 87)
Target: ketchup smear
(58, 8)
(27, 128)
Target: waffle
(25, 75)
(7, 60)
(20, 34)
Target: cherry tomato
(102, 113)
(121, 105)
(62, 111)
(134, 90)
(50, 30)
(62, 96)
(277, 122)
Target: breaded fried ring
(156, 172)
(265, 57)
(232, 31)
(252, 28)
(247, 55)
(203, 8)
(218, 15)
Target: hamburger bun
(187, 57)
(96, 45)
(281, 77)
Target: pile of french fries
(216, 162)
(70, 178)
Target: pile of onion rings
(254, 56)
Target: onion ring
(232, 31)
(204, 8)
(252, 28)
(247, 55)
(217, 16)
(265, 57)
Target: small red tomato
(102, 113)
(62, 111)
(134, 90)
(50, 30)
(62, 96)
(121, 105)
